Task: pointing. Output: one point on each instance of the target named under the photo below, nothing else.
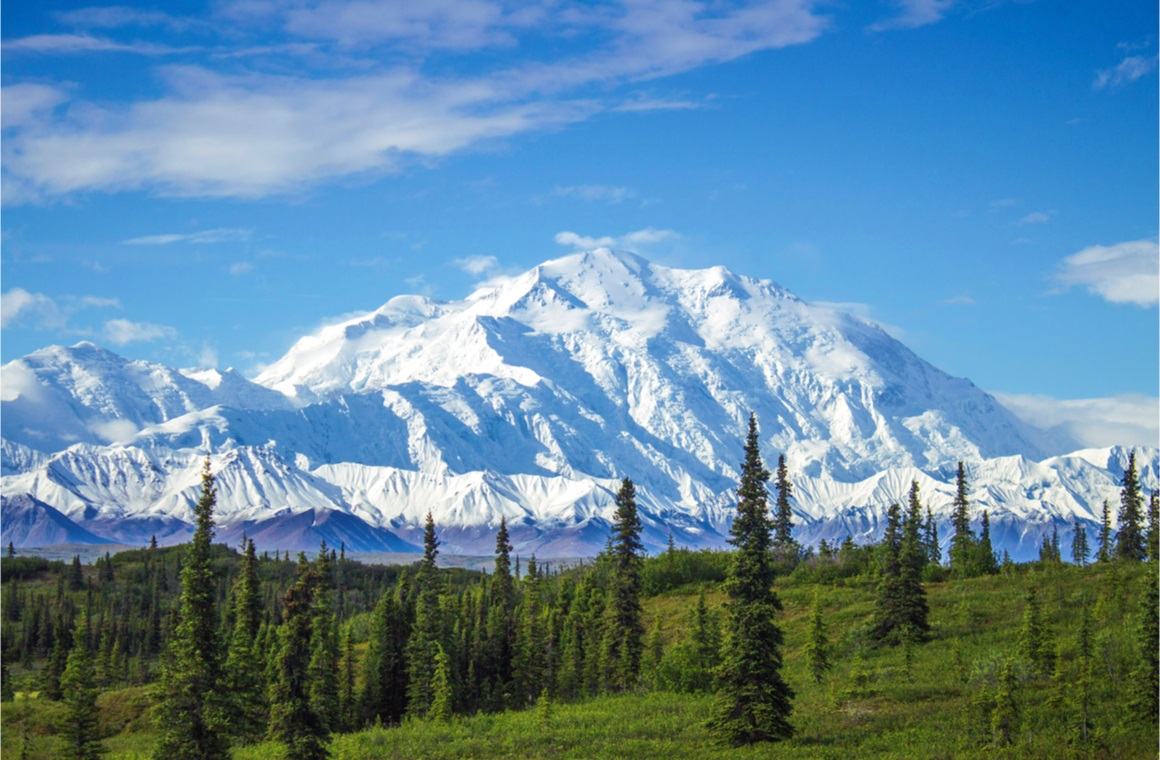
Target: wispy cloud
(913, 14)
(476, 265)
(632, 241)
(1126, 420)
(122, 331)
(241, 267)
(71, 44)
(116, 16)
(39, 311)
(222, 235)
(221, 129)
(606, 193)
(1128, 70)
(958, 301)
(1121, 273)
(1037, 217)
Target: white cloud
(604, 193)
(476, 265)
(1037, 217)
(122, 331)
(223, 235)
(1125, 420)
(913, 14)
(18, 306)
(68, 44)
(1129, 70)
(235, 132)
(1121, 273)
(115, 431)
(114, 16)
(241, 267)
(959, 301)
(631, 241)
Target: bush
(679, 567)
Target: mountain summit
(529, 400)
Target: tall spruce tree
(930, 534)
(753, 701)
(293, 721)
(783, 516)
(1130, 541)
(911, 559)
(624, 636)
(424, 643)
(1104, 553)
(384, 693)
(324, 651)
(1153, 536)
(501, 633)
(78, 685)
(190, 713)
(1145, 680)
(1079, 544)
(985, 562)
(962, 549)
(243, 673)
(901, 612)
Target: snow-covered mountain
(531, 400)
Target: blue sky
(203, 183)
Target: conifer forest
(768, 649)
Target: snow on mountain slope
(530, 401)
(30, 522)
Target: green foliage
(962, 550)
(425, 635)
(753, 700)
(27, 568)
(679, 566)
(441, 707)
(1079, 544)
(190, 715)
(1104, 554)
(242, 677)
(78, 687)
(1131, 543)
(817, 647)
(782, 513)
(624, 634)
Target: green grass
(932, 714)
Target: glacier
(529, 400)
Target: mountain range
(530, 400)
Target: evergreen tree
(1005, 715)
(706, 639)
(753, 702)
(901, 612)
(1145, 681)
(293, 721)
(1105, 551)
(243, 672)
(7, 693)
(1130, 540)
(1153, 536)
(930, 531)
(425, 635)
(78, 687)
(501, 632)
(818, 646)
(985, 563)
(1079, 544)
(11, 550)
(911, 559)
(76, 577)
(1034, 639)
(346, 698)
(624, 637)
(962, 550)
(324, 656)
(441, 706)
(783, 515)
(384, 694)
(189, 715)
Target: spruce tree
(753, 702)
(817, 645)
(324, 654)
(624, 637)
(1005, 715)
(425, 635)
(243, 672)
(1153, 536)
(1104, 554)
(293, 721)
(189, 715)
(911, 559)
(384, 694)
(501, 632)
(346, 698)
(78, 685)
(441, 705)
(985, 563)
(1145, 688)
(930, 532)
(76, 577)
(1130, 540)
(1079, 544)
(1033, 638)
(783, 516)
(962, 553)
(529, 666)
